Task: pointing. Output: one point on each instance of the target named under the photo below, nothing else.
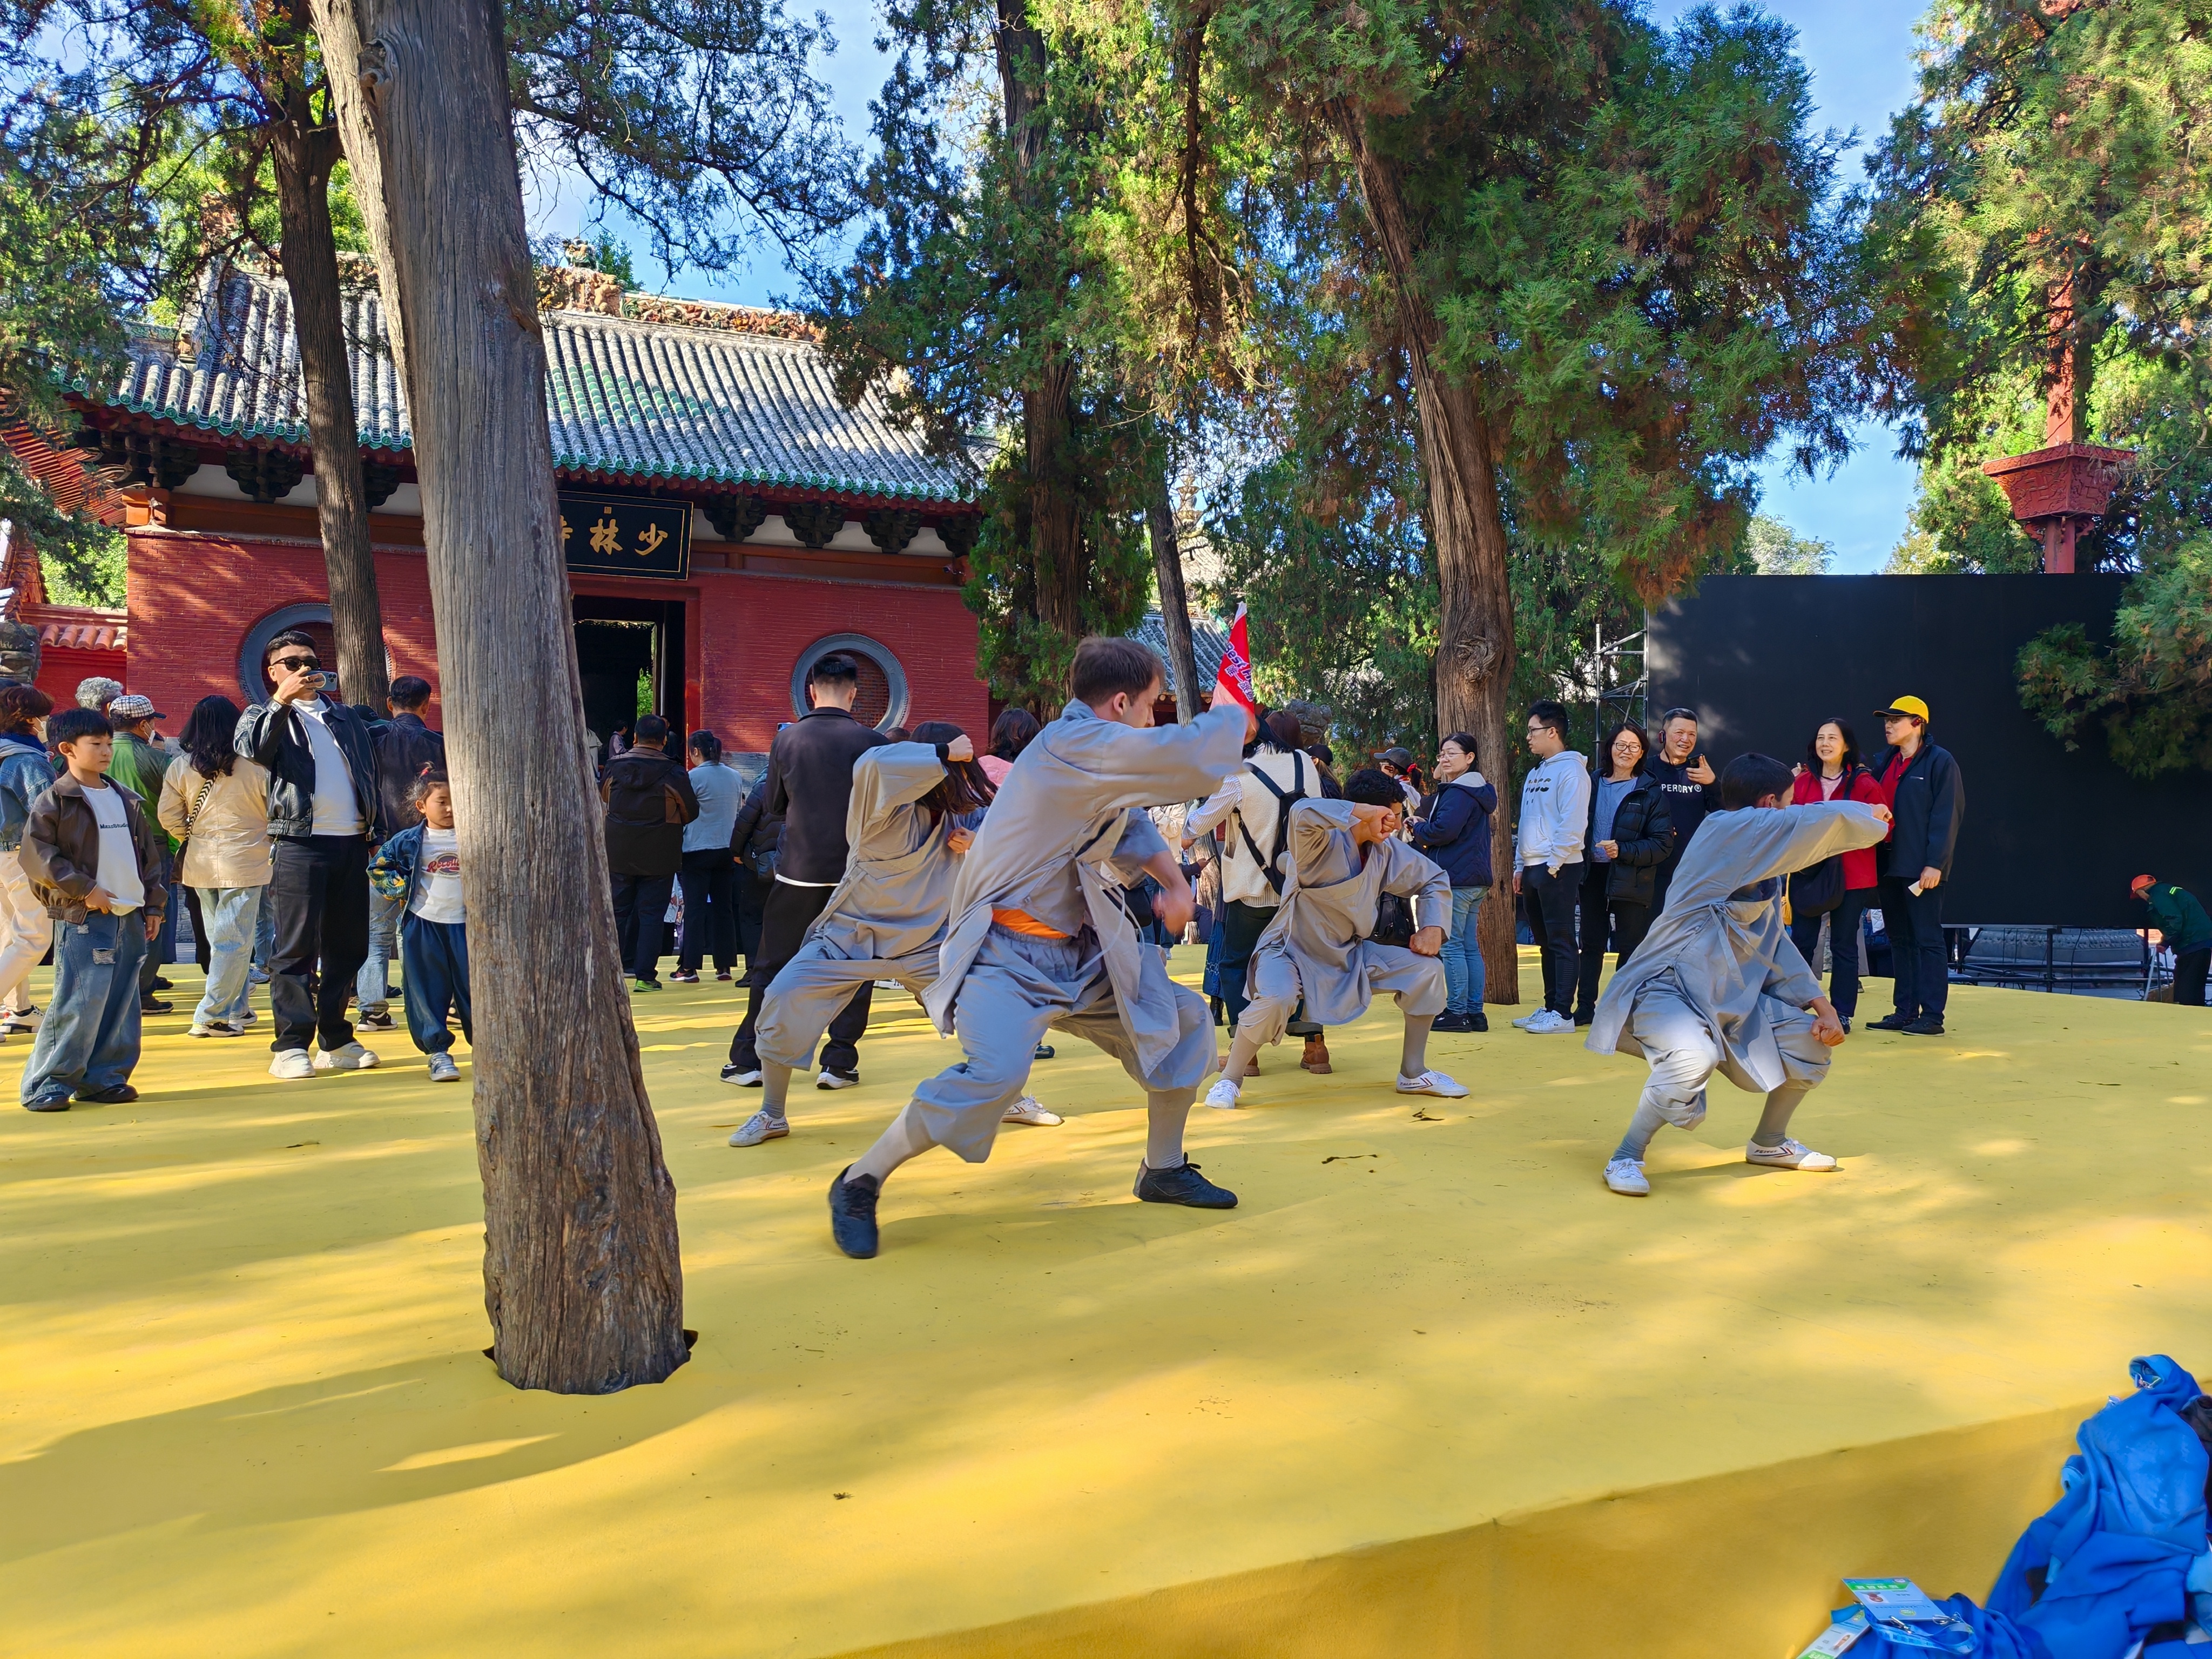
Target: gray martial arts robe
(1731, 956)
(1317, 944)
(885, 920)
(1067, 831)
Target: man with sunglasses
(323, 820)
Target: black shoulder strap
(1271, 868)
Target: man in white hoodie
(1548, 840)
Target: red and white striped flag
(1234, 680)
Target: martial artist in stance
(1040, 939)
(912, 814)
(1717, 986)
(1344, 862)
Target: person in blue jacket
(1453, 829)
(1921, 783)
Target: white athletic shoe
(215, 1029)
(20, 1022)
(1222, 1096)
(442, 1069)
(1432, 1083)
(1526, 1020)
(1625, 1175)
(1548, 1024)
(741, 1080)
(1790, 1155)
(292, 1065)
(346, 1057)
(758, 1127)
(1030, 1110)
(827, 1078)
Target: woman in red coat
(1832, 772)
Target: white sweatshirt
(1554, 812)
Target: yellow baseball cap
(1913, 706)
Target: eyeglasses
(293, 664)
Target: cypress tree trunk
(582, 1277)
(1467, 530)
(1174, 606)
(303, 156)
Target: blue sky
(1861, 56)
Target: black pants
(710, 909)
(1915, 947)
(752, 899)
(2189, 968)
(640, 920)
(199, 928)
(1843, 947)
(783, 929)
(318, 885)
(1551, 901)
(1242, 924)
(1625, 920)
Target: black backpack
(1270, 865)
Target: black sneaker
(1044, 1051)
(121, 1094)
(153, 1005)
(375, 1022)
(1182, 1186)
(1451, 1023)
(853, 1213)
(1478, 1021)
(47, 1104)
(745, 1077)
(1892, 1022)
(1926, 1025)
(681, 978)
(160, 984)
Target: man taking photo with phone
(323, 812)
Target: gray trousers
(1016, 990)
(812, 988)
(1418, 983)
(1684, 1054)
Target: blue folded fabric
(1996, 1637)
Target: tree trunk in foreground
(339, 32)
(582, 1277)
(1174, 605)
(1466, 529)
(303, 157)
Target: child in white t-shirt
(424, 866)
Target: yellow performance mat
(1430, 1391)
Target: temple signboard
(626, 536)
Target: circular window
(883, 700)
(314, 621)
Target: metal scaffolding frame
(1610, 692)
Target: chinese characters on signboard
(615, 535)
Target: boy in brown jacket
(91, 858)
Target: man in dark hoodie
(810, 783)
(649, 799)
(1454, 831)
(324, 814)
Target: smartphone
(317, 680)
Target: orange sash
(1020, 922)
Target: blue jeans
(264, 934)
(89, 1037)
(1463, 982)
(435, 958)
(230, 915)
(371, 986)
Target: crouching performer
(1039, 939)
(913, 810)
(1717, 986)
(1362, 911)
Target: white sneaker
(1222, 1096)
(738, 1079)
(1432, 1083)
(1526, 1020)
(215, 1029)
(291, 1063)
(1790, 1155)
(1548, 1024)
(442, 1069)
(760, 1127)
(20, 1021)
(826, 1079)
(346, 1057)
(1625, 1175)
(1030, 1110)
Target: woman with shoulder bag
(1631, 833)
(215, 802)
(1839, 890)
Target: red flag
(1234, 680)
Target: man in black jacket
(324, 814)
(809, 782)
(1686, 781)
(1927, 801)
(755, 843)
(403, 747)
(649, 799)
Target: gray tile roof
(625, 398)
(1208, 644)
